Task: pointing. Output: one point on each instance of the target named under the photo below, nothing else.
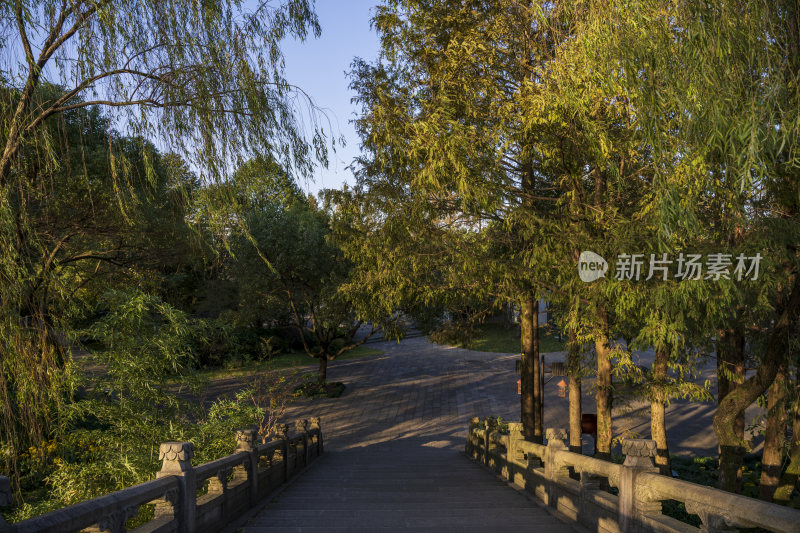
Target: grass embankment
(281, 361)
(493, 337)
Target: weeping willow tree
(203, 80)
(714, 86)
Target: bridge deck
(402, 486)
(392, 458)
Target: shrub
(112, 436)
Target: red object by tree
(589, 423)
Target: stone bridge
(394, 459)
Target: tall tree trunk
(605, 391)
(538, 378)
(323, 369)
(529, 371)
(658, 404)
(789, 479)
(734, 404)
(736, 401)
(774, 437)
(730, 374)
(575, 411)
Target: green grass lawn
(287, 360)
(493, 337)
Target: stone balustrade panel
(233, 485)
(615, 498)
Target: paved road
(392, 450)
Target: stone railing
(232, 486)
(615, 498)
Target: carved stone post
(176, 460)
(314, 424)
(639, 455)
(489, 424)
(246, 443)
(471, 446)
(282, 432)
(553, 470)
(513, 455)
(514, 437)
(5, 495)
(301, 426)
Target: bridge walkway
(393, 445)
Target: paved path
(392, 450)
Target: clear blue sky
(318, 66)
